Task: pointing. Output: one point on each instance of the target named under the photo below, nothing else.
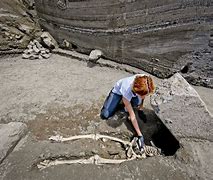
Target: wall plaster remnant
(132, 151)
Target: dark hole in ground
(185, 69)
(154, 130)
(164, 139)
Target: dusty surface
(64, 96)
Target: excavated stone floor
(62, 95)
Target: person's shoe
(142, 116)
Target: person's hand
(140, 142)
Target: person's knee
(104, 114)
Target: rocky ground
(18, 24)
(62, 95)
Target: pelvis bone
(132, 151)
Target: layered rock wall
(160, 37)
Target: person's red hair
(143, 85)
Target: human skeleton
(132, 151)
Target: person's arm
(132, 116)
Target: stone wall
(160, 37)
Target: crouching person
(132, 92)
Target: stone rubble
(36, 51)
(182, 110)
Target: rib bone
(151, 151)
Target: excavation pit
(164, 140)
(155, 132)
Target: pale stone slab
(181, 109)
(10, 134)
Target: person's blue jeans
(111, 103)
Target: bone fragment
(98, 136)
(47, 163)
(96, 159)
(99, 160)
(59, 138)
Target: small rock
(95, 55)
(82, 154)
(40, 56)
(18, 36)
(65, 43)
(35, 49)
(94, 151)
(26, 56)
(47, 50)
(33, 57)
(104, 139)
(26, 51)
(7, 34)
(43, 52)
(42, 49)
(29, 46)
(46, 56)
(35, 41)
(48, 40)
(38, 45)
(31, 43)
(30, 51)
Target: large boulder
(10, 134)
(181, 109)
